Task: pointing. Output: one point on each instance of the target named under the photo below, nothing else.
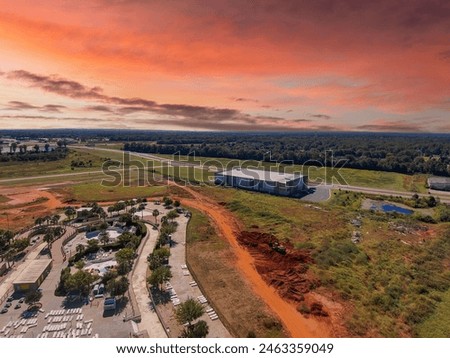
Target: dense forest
(397, 152)
(387, 152)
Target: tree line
(400, 153)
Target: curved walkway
(149, 319)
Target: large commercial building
(263, 181)
(33, 275)
(439, 183)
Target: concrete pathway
(149, 318)
(183, 283)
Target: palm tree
(39, 221)
(79, 248)
(189, 311)
(155, 214)
(46, 146)
(8, 256)
(48, 238)
(13, 147)
(104, 237)
(70, 212)
(55, 219)
(36, 148)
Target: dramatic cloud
(57, 85)
(52, 108)
(193, 116)
(392, 126)
(19, 106)
(240, 99)
(99, 108)
(232, 62)
(321, 116)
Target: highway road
(443, 196)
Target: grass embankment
(353, 177)
(391, 282)
(438, 324)
(211, 259)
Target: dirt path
(293, 321)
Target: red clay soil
(25, 205)
(281, 266)
(255, 267)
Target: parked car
(22, 300)
(8, 304)
(16, 307)
(10, 299)
(109, 304)
(4, 310)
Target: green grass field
(63, 166)
(95, 191)
(392, 281)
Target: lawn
(212, 262)
(393, 282)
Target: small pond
(391, 208)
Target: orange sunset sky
(226, 65)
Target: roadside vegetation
(391, 280)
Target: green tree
(189, 311)
(118, 287)
(199, 329)
(70, 212)
(167, 201)
(159, 276)
(80, 264)
(172, 215)
(39, 221)
(104, 237)
(158, 257)
(33, 297)
(125, 255)
(176, 203)
(55, 219)
(155, 214)
(20, 244)
(93, 245)
(81, 281)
